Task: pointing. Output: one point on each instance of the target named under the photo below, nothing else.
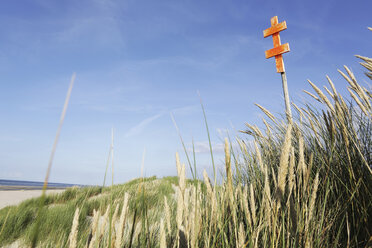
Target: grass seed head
(163, 242)
(283, 164)
(74, 230)
(120, 232)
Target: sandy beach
(14, 197)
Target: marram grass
(307, 184)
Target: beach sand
(14, 197)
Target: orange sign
(278, 49)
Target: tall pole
(288, 111)
(277, 52)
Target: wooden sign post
(277, 51)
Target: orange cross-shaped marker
(278, 49)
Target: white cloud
(186, 110)
(203, 147)
(218, 148)
(137, 129)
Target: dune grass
(303, 184)
(306, 184)
(58, 211)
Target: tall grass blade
(183, 145)
(209, 140)
(42, 199)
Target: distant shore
(22, 187)
(6, 184)
(14, 196)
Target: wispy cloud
(137, 129)
(217, 147)
(186, 110)
(203, 147)
(121, 108)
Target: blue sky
(138, 61)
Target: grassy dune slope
(59, 209)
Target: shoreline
(24, 187)
(14, 196)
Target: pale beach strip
(14, 197)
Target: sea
(32, 185)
